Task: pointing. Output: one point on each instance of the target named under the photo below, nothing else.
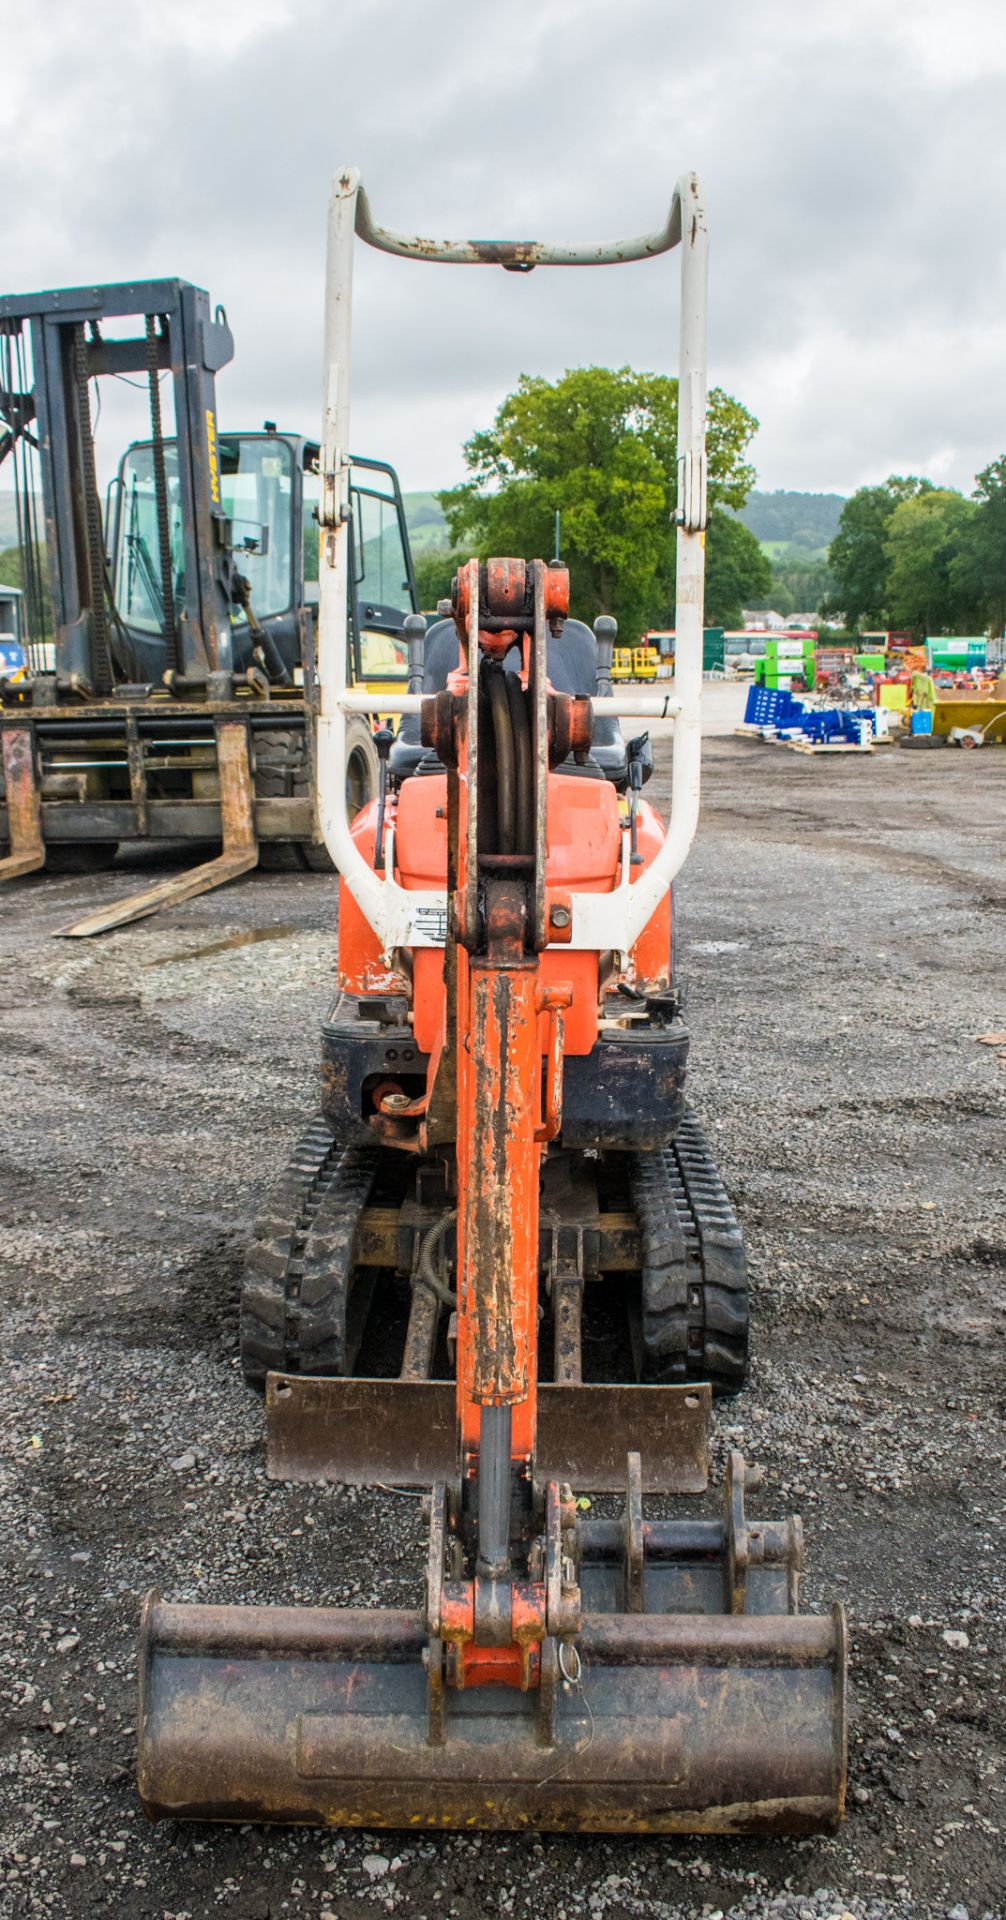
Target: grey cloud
(851, 156)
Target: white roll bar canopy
(404, 917)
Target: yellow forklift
(170, 687)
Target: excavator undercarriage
(639, 1253)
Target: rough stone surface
(843, 930)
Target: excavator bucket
(695, 1700)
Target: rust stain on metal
(24, 810)
(489, 1240)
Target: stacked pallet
(774, 714)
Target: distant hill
(8, 517)
(794, 531)
(426, 523)
(783, 521)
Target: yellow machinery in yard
(965, 716)
(634, 663)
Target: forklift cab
(269, 489)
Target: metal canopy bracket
(518, 256)
(600, 921)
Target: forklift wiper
(148, 573)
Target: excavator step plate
(405, 1432)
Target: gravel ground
(844, 938)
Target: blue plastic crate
(762, 706)
(772, 707)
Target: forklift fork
(24, 808)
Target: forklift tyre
(280, 856)
(294, 856)
(316, 856)
(363, 770)
(88, 856)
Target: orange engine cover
(584, 852)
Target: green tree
(39, 625)
(10, 567)
(923, 540)
(738, 573)
(435, 569)
(858, 556)
(600, 446)
(978, 569)
(801, 584)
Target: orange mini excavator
(504, 1146)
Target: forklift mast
(51, 347)
(171, 690)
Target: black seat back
(572, 668)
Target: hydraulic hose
(506, 796)
(520, 722)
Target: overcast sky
(852, 154)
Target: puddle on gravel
(250, 938)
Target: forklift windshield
(256, 484)
(269, 514)
(137, 568)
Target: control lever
(605, 635)
(415, 635)
(636, 750)
(384, 740)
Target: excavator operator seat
(572, 668)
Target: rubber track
(298, 1271)
(694, 1276)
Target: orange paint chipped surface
(584, 855)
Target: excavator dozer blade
(361, 1431)
(676, 1723)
